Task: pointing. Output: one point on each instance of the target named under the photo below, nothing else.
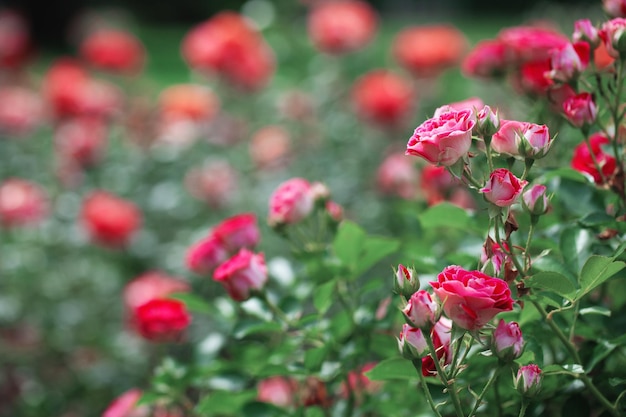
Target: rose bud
(421, 310)
(471, 298)
(291, 202)
(109, 219)
(507, 342)
(206, 255)
(613, 35)
(334, 211)
(503, 188)
(22, 203)
(614, 8)
(494, 255)
(277, 390)
(528, 380)
(113, 50)
(149, 286)
(406, 282)
(535, 200)
(397, 175)
(239, 231)
(487, 122)
(585, 31)
(444, 139)
(126, 405)
(161, 320)
(580, 110)
(243, 273)
(411, 343)
(522, 140)
(583, 161)
(342, 26)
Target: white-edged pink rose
(503, 188)
(444, 139)
(242, 273)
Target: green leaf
(551, 281)
(247, 327)
(348, 243)
(597, 270)
(595, 219)
(313, 358)
(224, 402)
(603, 349)
(374, 249)
(392, 368)
(569, 245)
(323, 296)
(445, 215)
(568, 173)
(193, 302)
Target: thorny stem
(574, 354)
(449, 383)
(417, 363)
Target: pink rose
(81, 141)
(585, 31)
(535, 200)
(580, 109)
(530, 43)
(487, 121)
(507, 342)
(471, 298)
(206, 255)
(568, 62)
(22, 203)
(242, 273)
(421, 310)
(472, 103)
(161, 320)
(397, 175)
(149, 286)
(444, 139)
(291, 202)
(126, 405)
(528, 380)
(612, 35)
(522, 139)
(583, 161)
(503, 187)
(486, 60)
(614, 8)
(239, 231)
(278, 390)
(22, 110)
(441, 334)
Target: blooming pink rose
(568, 62)
(383, 97)
(585, 31)
(242, 273)
(239, 231)
(580, 109)
(614, 8)
(530, 43)
(397, 175)
(126, 405)
(444, 139)
(583, 161)
(161, 320)
(528, 380)
(113, 50)
(613, 34)
(291, 202)
(486, 60)
(21, 110)
(149, 286)
(278, 390)
(421, 310)
(22, 203)
(503, 188)
(507, 342)
(109, 219)
(206, 255)
(471, 298)
(341, 26)
(473, 103)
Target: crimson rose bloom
(471, 298)
(110, 220)
(162, 320)
(443, 139)
(241, 274)
(582, 161)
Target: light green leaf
(445, 215)
(247, 327)
(392, 368)
(348, 243)
(323, 296)
(597, 270)
(313, 358)
(261, 409)
(552, 281)
(193, 302)
(223, 402)
(374, 249)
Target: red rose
(109, 219)
(113, 50)
(161, 320)
(242, 273)
(471, 298)
(239, 231)
(149, 286)
(206, 255)
(582, 161)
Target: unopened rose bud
(535, 200)
(412, 343)
(503, 188)
(406, 282)
(488, 122)
(585, 31)
(422, 311)
(507, 342)
(522, 140)
(528, 380)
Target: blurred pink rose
(126, 405)
(383, 97)
(531, 43)
(612, 32)
(470, 298)
(503, 188)
(444, 139)
(486, 60)
(585, 31)
(569, 61)
(580, 110)
(21, 111)
(278, 390)
(270, 147)
(397, 175)
(239, 231)
(290, 202)
(22, 203)
(359, 384)
(206, 255)
(216, 183)
(108, 219)
(81, 141)
(149, 286)
(113, 50)
(614, 8)
(241, 274)
(15, 45)
(341, 26)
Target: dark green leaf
(603, 349)
(223, 402)
(597, 270)
(445, 215)
(392, 368)
(567, 173)
(247, 327)
(313, 358)
(551, 281)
